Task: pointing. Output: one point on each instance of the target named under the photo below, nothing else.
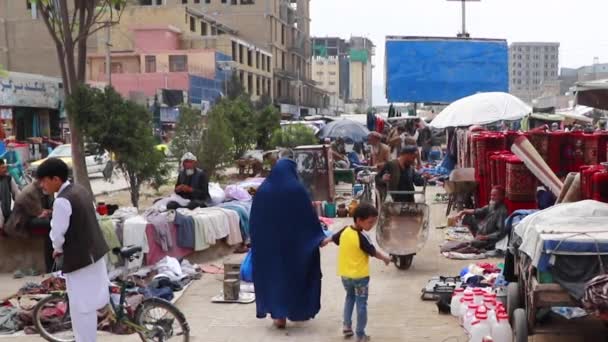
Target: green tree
(188, 132)
(70, 24)
(267, 120)
(241, 119)
(235, 87)
(293, 136)
(124, 129)
(209, 140)
(217, 143)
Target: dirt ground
(396, 312)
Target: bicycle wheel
(52, 319)
(161, 321)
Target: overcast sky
(579, 26)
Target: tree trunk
(135, 188)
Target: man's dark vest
(84, 242)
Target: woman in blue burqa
(285, 239)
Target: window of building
(192, 24)
(257, 86)
(320, 73)
(257, 59)
(333, 73)
(546, 74)
(150, 63)
(249, 57)
(250, 83)
(184, 1)
(234, 50)
(279, 88)
(283, 60)
(28, 4)
(178, 63)
(207, 1)
(282, 34)
(223, 1)
(268, 63)
(248, 2)
(116, 68)
(197, 1)
(241, 54)
(332, 83)
(263, 62)
(213, 30)
(233, 2)
(204, 31)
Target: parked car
(95, 163)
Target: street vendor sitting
(487, 224)
(400, 175)
(192, 185)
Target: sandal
(348, 333)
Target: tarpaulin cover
(566, 229)
(444, 70)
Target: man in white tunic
(77, 237)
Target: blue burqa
(285, 239)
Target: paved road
(100, 186)
(396, 313)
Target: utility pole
(464, 33)
(109, 52)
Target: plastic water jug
(479, 293)
(455, 303)
(464, 306)
(501, 330)
(479, 328)
(469, 317)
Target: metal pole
(108, 54)
(464, 17)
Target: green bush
(293, 136)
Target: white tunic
(87, 287)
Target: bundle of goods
(521, 185)
(599, 185)
(483, 146)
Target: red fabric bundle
(591, 148)
(587, 172)
(602, 146)
(540, 140)
(556, 146)
(577, 143)
(521, 183)
(510, 137)
(501, 169)
(513, 205)
(600, 186)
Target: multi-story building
(344, 69)
(283, 28)
(25, 43)
(531, 65)
(153, 45)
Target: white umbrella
(480, 109)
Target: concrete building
(283, 28)
(530, 65)
(25, 43)
(168, 43)
(344, 69)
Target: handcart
(403, 227)
(531, 298)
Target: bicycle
(366, 177)
(160, 330)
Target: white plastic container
(479, 328)
(490, 304)
(501, 330)
(469, 317)
(464, 305)
(455, 303)
(479, 295)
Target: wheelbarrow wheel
(403, 262)
(513, 299)
(520, 326)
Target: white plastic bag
(216, 193)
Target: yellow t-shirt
(354, 251)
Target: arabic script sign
(27, 90)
